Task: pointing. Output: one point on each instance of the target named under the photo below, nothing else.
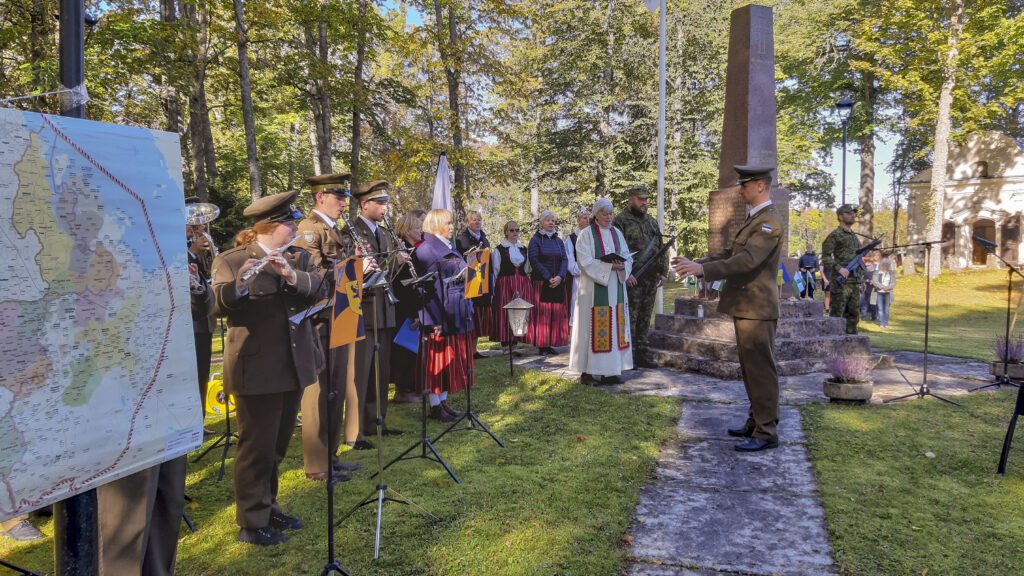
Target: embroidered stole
(601, 313)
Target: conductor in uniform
(328, 246)
(750, 268)
(378, 310)
(268, 360)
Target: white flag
(653, 5)
(443, 186)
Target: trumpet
(259, 266)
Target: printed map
(97, 361)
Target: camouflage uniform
(839, 248)
(639, 229)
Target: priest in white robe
(601, 347)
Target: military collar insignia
(766, 228)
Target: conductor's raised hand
(687, 267)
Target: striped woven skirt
(447, 367)
(505, 289)
(483, 319)
(549, 322)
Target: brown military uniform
(327, 248)
(380, 312)
(268, 361)
(750, 295)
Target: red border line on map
(73, 485)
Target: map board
(97, 358)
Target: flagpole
(659, 302)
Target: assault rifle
(858, 260)
(649, 263)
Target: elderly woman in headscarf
(549, 323)
(602, 346)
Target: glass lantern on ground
(518, 313)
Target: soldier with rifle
(644, 238)
(843, 281)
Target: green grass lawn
(557, 500)
(893, 510)
(968, 310)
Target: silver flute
(256, 268)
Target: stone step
(721, 327)
(787, 308)
(819, 347)
(725, 369)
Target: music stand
(225, 439)
(924, 389)
(18, 569)
(423, 442)
(1003, 380)
(379, 496)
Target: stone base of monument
(803, 340)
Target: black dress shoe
(744, 432)
(342, 467)
(609, 380)
(756, 444)
(282, 521)
(362, 445)
(391, 432)
(587, 380)
(262, 536)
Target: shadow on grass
(557, 500)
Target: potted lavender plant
(1009, 353)
(850, 378)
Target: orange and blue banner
(347, 317)
(478, 273)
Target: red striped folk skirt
(483, 319)
(505, 289)
(549, 323)
(446, 363)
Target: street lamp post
(845, 108)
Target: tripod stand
(424, 442)
(1004, 379)
(380, 493)
(924, 389)
(18, 569)
(227, 439)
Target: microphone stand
(424, 441)
(1003, 380)
(225, 439)
(924, 389)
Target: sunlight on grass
(557, 500)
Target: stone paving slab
(949, 365)
(748, 532)
(716, 465)
(710, 421)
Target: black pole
(75, 530)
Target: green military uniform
(839, 249)
(751, 296)
(644, 238)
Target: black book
(612, 258)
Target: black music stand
(424, 442)
(380, 494)
(1003, 380)
(227, 439)
(18, 569)
(924, 389)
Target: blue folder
(408, 337)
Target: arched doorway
(982, 229)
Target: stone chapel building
(984, 197)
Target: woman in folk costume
(549, 323)
(471, 237)
(512, 268)
(601, 343)
(582, 223)
(447, 316)
(405, 369)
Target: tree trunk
(41, 37)
(865, 217)
(200, 135)
(170, 97)
(534, 194)
(935, 204)
(451, 60)
(319, 96)
(358, 97)
(242, 39)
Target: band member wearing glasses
(509, 260)
(268, 360)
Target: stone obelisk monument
(748, 131)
